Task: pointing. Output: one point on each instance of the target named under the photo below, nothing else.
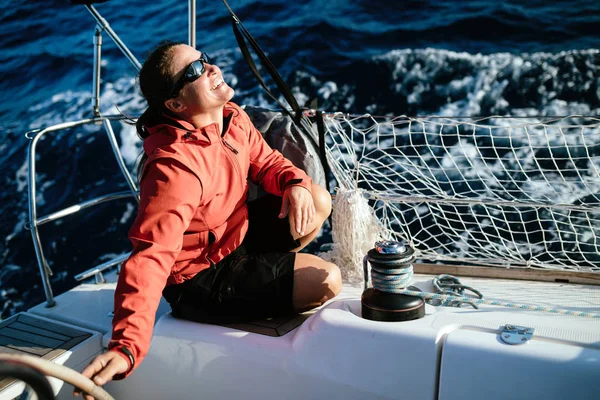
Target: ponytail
(156, 82)
(150, 117)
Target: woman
(217, 258)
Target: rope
(392, 277)
(445, 297)
(354, 230)
(450, 285)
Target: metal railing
(97, 119)
(35, 222)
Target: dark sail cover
(282, 134)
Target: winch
(391, 274)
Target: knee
(322, 200)
(333, 280)
(315, 282)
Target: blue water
(464, 58)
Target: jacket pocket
(193, 244)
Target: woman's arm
(268, 167)
(277, 175)
(169, 197)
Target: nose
(211, 69)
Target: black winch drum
(378, 305)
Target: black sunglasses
(191, 73)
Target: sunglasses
(191, 73)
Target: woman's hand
(102, 370)
(298, 202)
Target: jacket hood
(171, 131)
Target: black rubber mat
(272, 326)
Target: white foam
(327, 89)
(21, 176)
(131, 144)
(484, 79)
(130, 209)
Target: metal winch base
(391, 307)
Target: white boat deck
(450, 353)
(91, 305)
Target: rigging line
(239, 30)
(330, 114)
(298, 118)
(522, 306)
(475, 201)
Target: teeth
(216, 85)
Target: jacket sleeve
(169, 197)
(268, 167)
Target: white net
(495, 191)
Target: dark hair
(156, 82)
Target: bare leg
(322, 201)
(315, 281)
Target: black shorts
(255, 281)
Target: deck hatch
(26, 334)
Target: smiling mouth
(217, 85)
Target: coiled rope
(389, 275)
(393, 276)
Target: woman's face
(205, 94)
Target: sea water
(466, 58)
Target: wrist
(127, 355)
(292, 183)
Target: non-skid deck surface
(272, 326)
(25, 334)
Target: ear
(174, 105)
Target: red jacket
(192, 211)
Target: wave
(414, 58)
(442, 82)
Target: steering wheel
(30, 376)
(33, 371)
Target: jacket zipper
(227, 122)
(230, 147)
(226, 126)
(233, 159)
